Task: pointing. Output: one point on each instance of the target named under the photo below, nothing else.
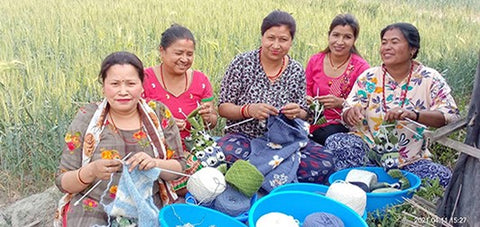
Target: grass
(51, 51)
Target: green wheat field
(51, 50)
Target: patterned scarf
(92, 137)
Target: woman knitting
(331, 74)
(263, 83)
(175, 84)
(401, 93)
(103, 133)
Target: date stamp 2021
(433, 220)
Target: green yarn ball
(245, 177)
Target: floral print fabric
(427, 90)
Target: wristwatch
(417, 113)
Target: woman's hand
(398, 113)
(310, 99)
(292, 111)
(181, 124)
(102, 169)
(330, 101)
(262, 111)
(142, 160)
(208, 114)
(354, 115)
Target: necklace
(403, 96)
(271, 78)
(339, 66)
(118, 131)
(163, 80)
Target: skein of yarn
(276, 219)
(245, 177)
(232, 202)
(348, 194)
(362, 178)
(322, 219)
(206, 184)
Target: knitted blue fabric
(276, 154)
(134, 197)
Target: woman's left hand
(398, 113)
(292, 111)
(142, 160)
(330, 101)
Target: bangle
(80, 179)
(417, 113)
(242, 110)
(248, 111)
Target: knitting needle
(98, 183)
(238, 123)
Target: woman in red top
(331, 74)
(175, 84)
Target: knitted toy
(385, 153)
(201, 144)
(134, 197)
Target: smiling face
(341, 40)
(178, 57)
(276, 42)
(395, 49)
(122, 87)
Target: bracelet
(248, 111)
(242, 110)
(80, 179)
(417, 113)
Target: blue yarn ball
(322, 219)
(232, 202)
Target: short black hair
(410, 33)
(279, 18)
(120, 58)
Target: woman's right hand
(262, 111)
(354, 115)
(102, 169)
(310, 99)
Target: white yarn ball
(276, 219)
(206, 184)
(348, 194)
(364, 176)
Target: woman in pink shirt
(181, 89)
(331, 74)
(175, 84)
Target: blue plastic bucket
(307, 187)
(190, 199)
(181, 214)
(300, 204)
(380, 201)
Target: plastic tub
(380, 201)
(181, 214)
(301, 204)
(307, 187)
(190, 199)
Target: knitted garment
(276, 154)
(134, 196)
